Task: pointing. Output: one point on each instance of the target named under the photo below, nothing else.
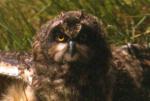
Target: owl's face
(71, 37)
(71, 43)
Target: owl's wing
(15, 65)
(132, 70)
(133, 58)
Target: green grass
(123, 20)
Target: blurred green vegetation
(123, 20)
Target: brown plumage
(132, 69)
(71, 61)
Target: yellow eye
(60, 38)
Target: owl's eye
(61, 38)
(83, 37)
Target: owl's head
(74, 36)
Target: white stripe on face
(61, 46)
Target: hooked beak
(72, 48)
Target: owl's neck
(70, 81)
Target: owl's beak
(71, 48)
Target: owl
(69, 54)
(71, 61)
